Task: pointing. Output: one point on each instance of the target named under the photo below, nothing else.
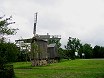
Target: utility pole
(35, 21)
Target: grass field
(64, 69)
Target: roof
(51, 45)
(30, 40)
(58, 37)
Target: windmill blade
(35, 21)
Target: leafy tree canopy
(8, 51)
(53, 40)
(87, 49)
(4, 29)
(73, 46)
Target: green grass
(64, 69)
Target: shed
(52, 51)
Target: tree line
(86, 51)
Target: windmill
(39, 47)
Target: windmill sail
(35, 21)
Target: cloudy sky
(83, 19)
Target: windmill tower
(35, 22)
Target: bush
(7, 72)
(8, 53)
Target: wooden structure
(52, 51)
(37, 50)
(41, 53)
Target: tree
(5, 48)
(101, 52)
(64, 54)
(73, 46)
(4, 29)
(8, 52)
(87, 50)
(98, 52)
(80, 51)
(53, 40)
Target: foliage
(92, 68)
(80, 51)
(4, 29)
(101, 54)
(87, 49)
(98, 52)
(35, 53)
(22, 56)
(8, 52)
(53, 40)
(8, 72)
(73, 46)
(34, 50)
(64, 54)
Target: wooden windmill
(40, 49)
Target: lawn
(64, 69)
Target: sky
(82, 19)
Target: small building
(52, 51)
(40, 52)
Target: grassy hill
(65, 69)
